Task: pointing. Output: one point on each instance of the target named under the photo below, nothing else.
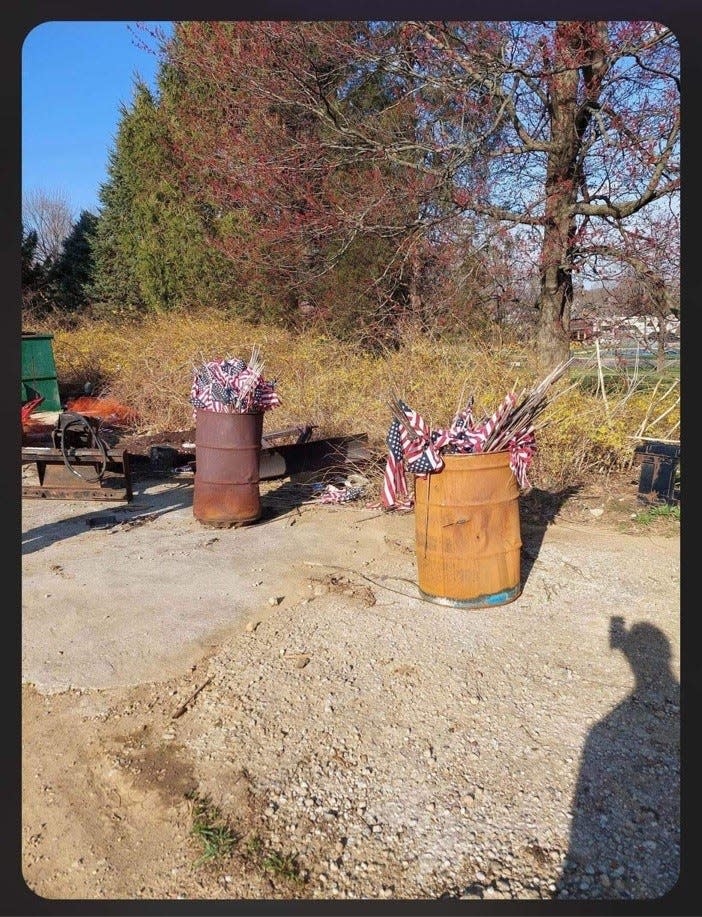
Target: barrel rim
(462, 456)
(230, 413)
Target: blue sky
(74, 77)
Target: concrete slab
(121, 594)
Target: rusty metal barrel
(468, 537)
(227, 457)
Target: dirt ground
(356, 741)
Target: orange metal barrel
(468, 539)
(227, 456)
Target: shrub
(147, 365)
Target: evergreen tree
(72, 273)
(30, 266)
(115, 280)
(33, 272)
(151, 251)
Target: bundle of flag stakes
(233, 386)
(414, 446)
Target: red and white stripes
(421, 453)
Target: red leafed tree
(280, 124)
(427, 134)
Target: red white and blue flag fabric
(521, 451)
(333, 494)
(231, 386)
(419, 451)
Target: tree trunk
(556, 290)
(553, 303)
(574, 52)
(660, 341)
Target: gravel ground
(363, 743)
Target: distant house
(642, 328)
(622, 329)
(581, 329)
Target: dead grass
(148, 367)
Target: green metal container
(39, 371)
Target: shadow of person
(624, 838)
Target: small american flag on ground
(333, 494)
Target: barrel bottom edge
(227, 523)
(480, 601)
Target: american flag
(231, 386)
(419, 451)
(332, 494)
(521, 451)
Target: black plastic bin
(659, 462)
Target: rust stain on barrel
(228, 452)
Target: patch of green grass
(254, 844)
(663, 511)
(283, 865)
(211, 829)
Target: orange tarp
(107, 409)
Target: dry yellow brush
(148, 366)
